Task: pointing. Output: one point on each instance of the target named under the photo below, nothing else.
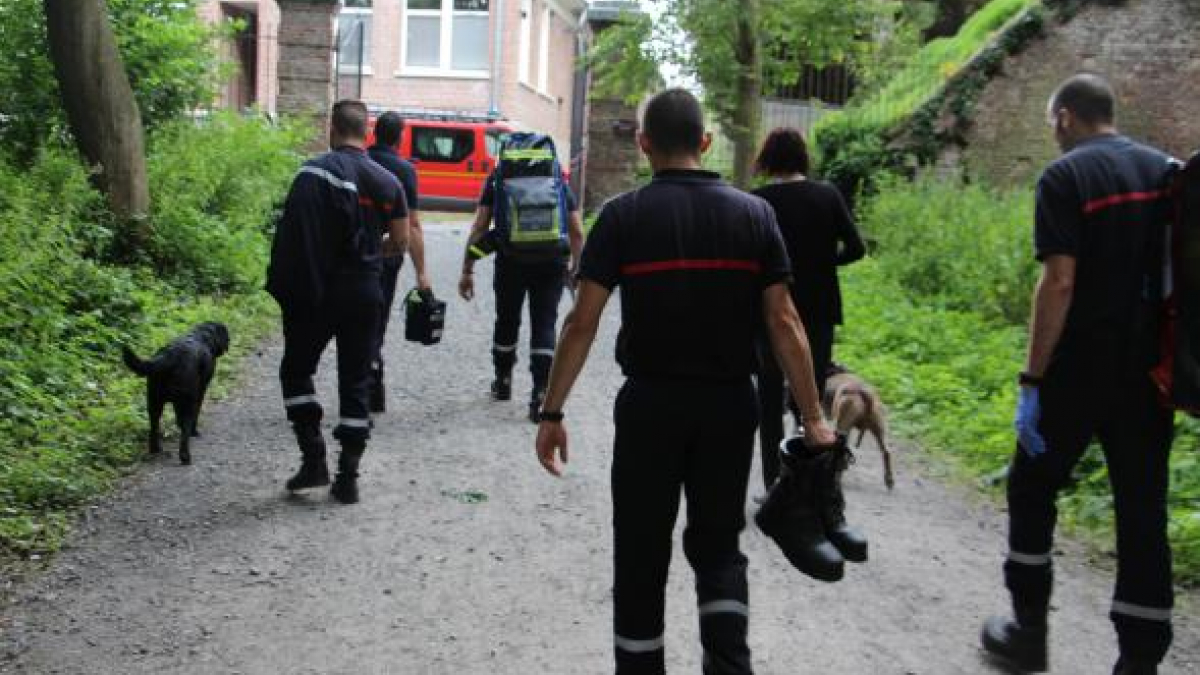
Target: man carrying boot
(388, 129)
(700, 264)
(325, 273)
(1101, 210)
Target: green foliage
(170, 54)
(215, 185)
(71, 417)
(936, 320)
(962, 247)
(925, 104)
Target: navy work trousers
(543, 283)
(673, 438)
(1135, 432)
(350, 317)
(772, 392)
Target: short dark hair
(388, 128)
(350, 118)
(1088, 96)
(673, 121)
(784, 151)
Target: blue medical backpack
(530, 201)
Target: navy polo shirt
(1105, 204)
(692, 256)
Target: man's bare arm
(1051, 302)
(575, 237)
(791, 346)
(416, 249)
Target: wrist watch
(550, 416)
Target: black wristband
(548, 416)
(1027, 380)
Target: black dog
(179, 374)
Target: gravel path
(465, 557)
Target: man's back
(692, 256)
(1104, 204)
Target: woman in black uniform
(820, 236)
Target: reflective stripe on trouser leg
(356, 334)
(723, 629)
(545, 294)
(509, 287)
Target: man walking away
(518, 274)
(388, 129)
(325, 273)
(700, 265)
(1101, 210)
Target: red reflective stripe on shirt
(637, 269)
(367, 201)
(1127, 198)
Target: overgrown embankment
(936, 319)
(72, 290)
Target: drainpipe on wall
(497, 59)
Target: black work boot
(378, 402)
(791, 516)
(345, 485)
(502, 386)
(848, 541)
(535, 403)
(313, 470)
(1020, 642)
(1130, 667)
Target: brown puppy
(853, 404)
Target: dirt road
(466, 558)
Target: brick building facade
(510, 58)
(1148, 49)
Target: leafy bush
(962, 247)
(170, 55)
(71, 417)
(937, 321)
(214, 185)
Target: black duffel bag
(424, 317)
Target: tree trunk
(100, 106)
(748, 114)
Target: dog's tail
(136, 364)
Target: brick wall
(612, 152)
(305, 70)
(386, 85)
(1148, 49)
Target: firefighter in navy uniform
(326, 261)
(1101, 210)
(388, 129)
(543, 281)
(700, 265)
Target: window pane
(470, 43)
(471, 5)
(424, 41)
(354, 33)
(431, 144)
(493, 139)
(366, 4)
(424, 4)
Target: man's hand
(466, 286)
(818, 433)
(551, 439)
(1029, 414)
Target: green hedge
(937, 320)
(71, 417)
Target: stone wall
(305, 69)
(1148, 49)
(612, 152)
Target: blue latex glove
(1029, 413)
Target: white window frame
(446, 16)
(543, 83)
(343, 68)
(525, 48)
